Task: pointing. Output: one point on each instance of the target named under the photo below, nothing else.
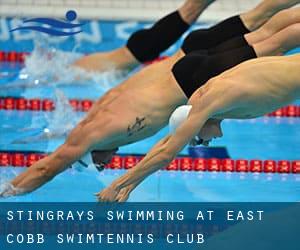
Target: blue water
(169, 187)
(263, 138)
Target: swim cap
(178, 117)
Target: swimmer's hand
(8, 190)
(111, 194)
(124, 194)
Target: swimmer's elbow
(159, 157)
(45, 173)
(166, 157)
(61, 159)
(49, 171)
(168, 151)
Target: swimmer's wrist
(124, 181)
(116, 186)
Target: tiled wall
(117, 9)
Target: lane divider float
(26, 159)
(13, 56)
(19, 57)
(84, 105)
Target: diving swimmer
(276, 83)
(136, 109)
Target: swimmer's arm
(47, 168)
(165, 151)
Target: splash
(59, 122)
(8, 190)
(48, 66)
(63, 119)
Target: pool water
(263, 138)
(73, 186)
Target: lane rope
(19, 57)
(20, 159)
(26, 159)
(84, 105)
(13, 56)
(11, 103)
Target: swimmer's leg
(229, 34)
(256, 17)
(279, 43)
(278, 22)
(162, 35)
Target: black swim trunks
(195, 69)
(205, 39)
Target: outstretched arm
(209, 101)
(43, 171)
(160, 156)
(78, 143)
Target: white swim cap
(178, 117)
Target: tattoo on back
(137, 126)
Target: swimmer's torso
(154, 90)
(260, 86)
(143, 103)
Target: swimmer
(147, 44)
(138, 108)
(278, 22)
(276, 83)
